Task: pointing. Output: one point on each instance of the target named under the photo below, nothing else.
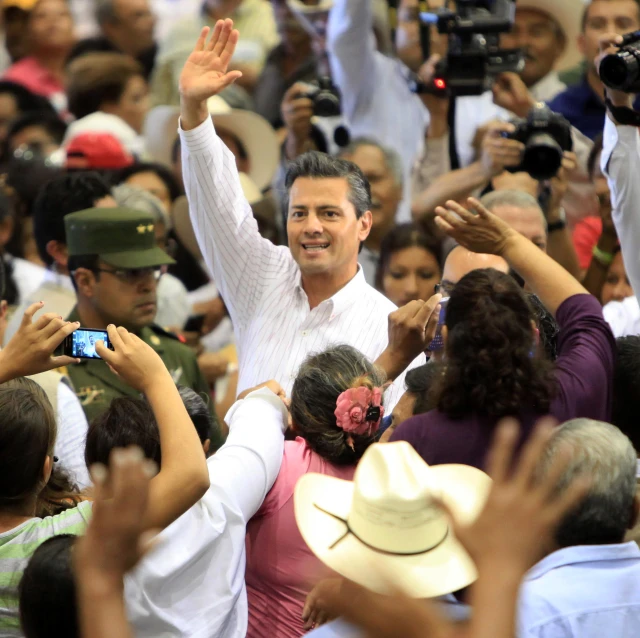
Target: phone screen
(438, 343)
(82, 343)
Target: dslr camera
(474, 58)
(325, 97)
(546, 136)
(621, 70)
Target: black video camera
(325, 97)
(474, 58)
(546, 136)
(621, 70)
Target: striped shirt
(16, 548)
(261, 283)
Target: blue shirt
(583, 108)
(587, 591)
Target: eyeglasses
(134, 275)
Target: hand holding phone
(82, 343)
(133, 360)
(437, 344)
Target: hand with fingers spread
(114, 543)
(516, 527)
(480, 232)
(499, 152)
(31, 349)
(205, 72)
(134, 361)
(411, 329)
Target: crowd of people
(297, 340)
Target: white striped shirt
(261, 283)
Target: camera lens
(542, 156)
(621, 70)
(326, 104)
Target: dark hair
(585, 13)
(490, 369)
(418, 381)
(319, 382)
(65, 194)
(547, 325)
(127, 421)
(27, 437)
(161, 171)
(50, 122)
(25, 99)
(47, 591)
(594, 153)
(626, 388)
(321, 166)
(401, 237)
(96, 79)
(130, 421)
(175, 150)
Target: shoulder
(572, 95)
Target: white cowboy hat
(568, 15)
(252, 130)
(385, 523)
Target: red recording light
(440, 83)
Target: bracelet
(561, 224)
(603, 258)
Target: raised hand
(205, 72)
(32, 347)
(483, 232)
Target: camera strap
(623, 114)
(453, 147)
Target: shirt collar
(583, 554)
(345, 296)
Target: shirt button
(305, 333)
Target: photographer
(619, 163)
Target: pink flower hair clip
(359, 411)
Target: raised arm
(183, 478)
(484, 232)
(239, 258)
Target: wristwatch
(561, 224)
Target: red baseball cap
(101, 151)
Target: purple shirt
(583, 373)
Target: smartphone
(438, 344)
(82, 343)
(194, 323)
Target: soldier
(115, 267)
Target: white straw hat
(386, 524)
(254, 132)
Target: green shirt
(16, 548)
(95, 384)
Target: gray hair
(105, 12)
(603, 453)
(139, 199)
(516, 199)
(392, 159)
(318, 165)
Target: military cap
(121, 237)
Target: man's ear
(366, 221)
(58, 251)
(85, 281)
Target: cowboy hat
(386, 524)
(252, 130)
(568, 15)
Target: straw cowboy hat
(568, 15)
(254, 132)
(385, 526)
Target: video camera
(325, 97)
(546, 136)
(474, 58)
(621, 70)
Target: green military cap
(121, 237)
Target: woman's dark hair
(25, 100)
(418, 381)
(96, 79)
(161, 171)
(127, 421)
(47, 591)
(130, 421)
(491, 368)
(27, 437)
(401, 237)
(50, 122)
(321, 379)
